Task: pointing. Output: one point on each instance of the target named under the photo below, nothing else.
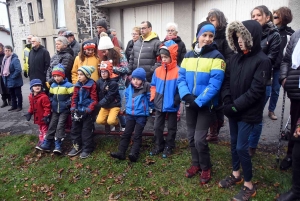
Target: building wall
(5, 38)
(294, 5)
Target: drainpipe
(91, 23)
(9, 22)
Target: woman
(270, 44)
(3, 90)
(136, 32)
(11, 73)
(200, 79)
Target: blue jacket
(138, 100)
(14, 79)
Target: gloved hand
(28, 116)
(227, 100)
(192, 105)
(103, 102)
(189, 98)
(230, 110)
(25, 74)
(46, 120)
(176, 100)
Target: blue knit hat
(59, 69)
(87, 70)
(139, 73)
(205, 27)
(35, 82)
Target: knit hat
(35, 82)
(107, 65)
(105, 42)
(87, 70)
(139, 73)
(88, 44)
(205, 27)
(102, 23)
(59, 69)
(164, 50)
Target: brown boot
(272, 116)
(213, 132)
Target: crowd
(233, 70)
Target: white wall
(5, 39)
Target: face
(165, 59)
(58, 78)
(7, 52)
(260, 17)
(89, 52)
(214, 21)
(145, 30)
(241, 42)
(37, 88)
(206, 39)
(135, 35)
(81, 77)
(114, 33)
(136, 82)
(104, 53)
(59, 45)
(34, 42)
(171, 31)
(1, 48)
(276, 19)
(29, 39)
(104, 74)
(100, 29)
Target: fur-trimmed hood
(251, 32)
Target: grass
(30, 175)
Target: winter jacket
(108, 93)
(84, 97)
(223, 48)
(202, 75)
(164, 82)
(64, 57)
(181, 49)
(60, 96)
(144, 53)
(89, 61)
(286, 72)
(40, 107)
(138, 100)
(39, 62)
(26, 56)
(129, 48)
(75, 46)
(3, 88)
(122, 71)
(246, 74)
(14, 79)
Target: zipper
(144, 107)
(162, 105)
(195, 76)
(132, 107)
(57, 98)
(138, 64)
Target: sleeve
(287, 59)
(25, 58)
(51, 93)
(74, 100)
(18, 69)
(113, 90)
(47, 60)
(28, 71)
(30, 109)
(181, 54)
(67, 61)
(148, 94)
(130, 63)
(153, 86)
(49, 70)
(127, 51)
(46, 105)
(225, 91)
(274, 47)
(94, 97)
(115, 42)
(122, 69)
(181, 82)
(74, 70)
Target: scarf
(170, 37)
(197, 49)
(5, 66)
(295, 56)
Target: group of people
(233, 70)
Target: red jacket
(39, 106)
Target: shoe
(230, 181)
(122, 128)
(252, 151)
(245, 194)
(84, 155)
(45, 145)
(192, 171)
(12, 109)
(4, 104)
(119, 155)
(75, 150)
(205, 176)
(117, 128)
(272, 116)
(155, 151)
(58, 143)
(286, 163)
(133, 157)
(107, 129)
(18, 109)
(211, 138)
(288, 196)
(167, 152)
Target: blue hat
(59, 69)
(205, 27)
(139, 73)
(35, 82)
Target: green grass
(30, 175)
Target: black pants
(136, 124)
(159, 126)
(16, 97)
(296, 168)
(5, 97)
(57, 125)
(295, 114)
(81, 134)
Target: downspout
(91, 23)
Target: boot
(57, 149)
(213, 135)
(45, 146)
(4, 104)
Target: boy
(39, 107)
(137, 97)
(109, 97)
(60, 94)
(84, 100)
(166, 99)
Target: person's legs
(296, 169)
(112, 116)
(102, 116)
(122, 117)
(52, 126)
(88, 144)
(191, 121)
(75, 133)
(137, 137)
(275, 90)
(255, 135)
(172, 129)
(126, 136)
(159, 125)
(60, 129)
(18, 92)
(13, 98)
(268, 93)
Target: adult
(101, 26)
(289, 78)
(73, 44)
(64, 55)
(145, 50)
(136, 32)
(270, 44)
(26, 55)
(38, 61)
(61, 31)
(114, 33)
(11, 73)
(5, 96)
(172, 31)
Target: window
(59, 14)
(40, 9)
(20, 15)
(30, 12)
(44, 42)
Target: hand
(28, 116)
(103, 102)
(25, 74)
(189, 98)
(176, 100)
(192, 105)
(227, 100)
(230, 110)
(297, 132)
(283, 82)
(46, 120)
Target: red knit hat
(59, 69)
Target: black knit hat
(102, 23)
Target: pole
(9, 23)
(91, 23)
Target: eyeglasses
(103, 72)
(134, 34)
(275, 17)
(143, 28)
(33, 41)
(172, 30)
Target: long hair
(82, 53)
(114, 54)
(219, 15)
(263, 10)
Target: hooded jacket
(144, 53)
(181, 49)
(40, 107)
(222, 44)
(246, 74)
(26, 56)
(164, 82)
(14, 79)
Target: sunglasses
(275, 17)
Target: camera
(76, 116)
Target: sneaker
(84, 155)
(58, 143)
(107, 129)
(122, 128)
(272, 116)
(118, 155)
(155, 151)
(75, 150)
(245, 194)
(211, 138)
(44, 146)
(192, 171)
(133, 157)
(117, 128)
(205, 176)
(167, 152)
(286, 163)
(230, 181)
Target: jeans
(272, 91)
(239, 134)
(255, 135)
(16, 97)
(121, 117)
(57, 126)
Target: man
(114, 33)
(101, 26)
(73, 44)
(39, 61)
(61, 31)
(26, 55)
(145, 50)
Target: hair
(2, 46)
(285, 14)
(148, 23)
(172, 24)
(137, 29)
(62, 39)
(219, 15)
(62, 30)
(8, 47)
(38, 39)
(82, 55)
(112, 30)
(263, 10)
(114, 54)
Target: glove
(192, 105)
(230, 110)
(102, 102)
(46, 120)
(28, 116)
(25, 74)
(189, 98)
(227, 100)
(176, 100)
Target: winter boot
(75, 150)
(45, 146)
(213, 135)
(4, 104)
(119, 155)
(58, 143)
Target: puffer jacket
(143, 55)
(287, 72)
(223, 48)
(129, 49)
(181, 49)
(40, 107)
(14, 79)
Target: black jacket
(129, 49)
(223, 48)
(246, 74)
(108, 93)
(75, 46)
(39, 62)
(286, 72)
(181, 49)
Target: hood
(150, 37)
(172, 48)
(67, 50)
(107, 65)
(176, 40)
(251, 32)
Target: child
(166, 99)
(84, 100)
(137, 97)
(60, 94)
(39, 107)
(109, 97)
